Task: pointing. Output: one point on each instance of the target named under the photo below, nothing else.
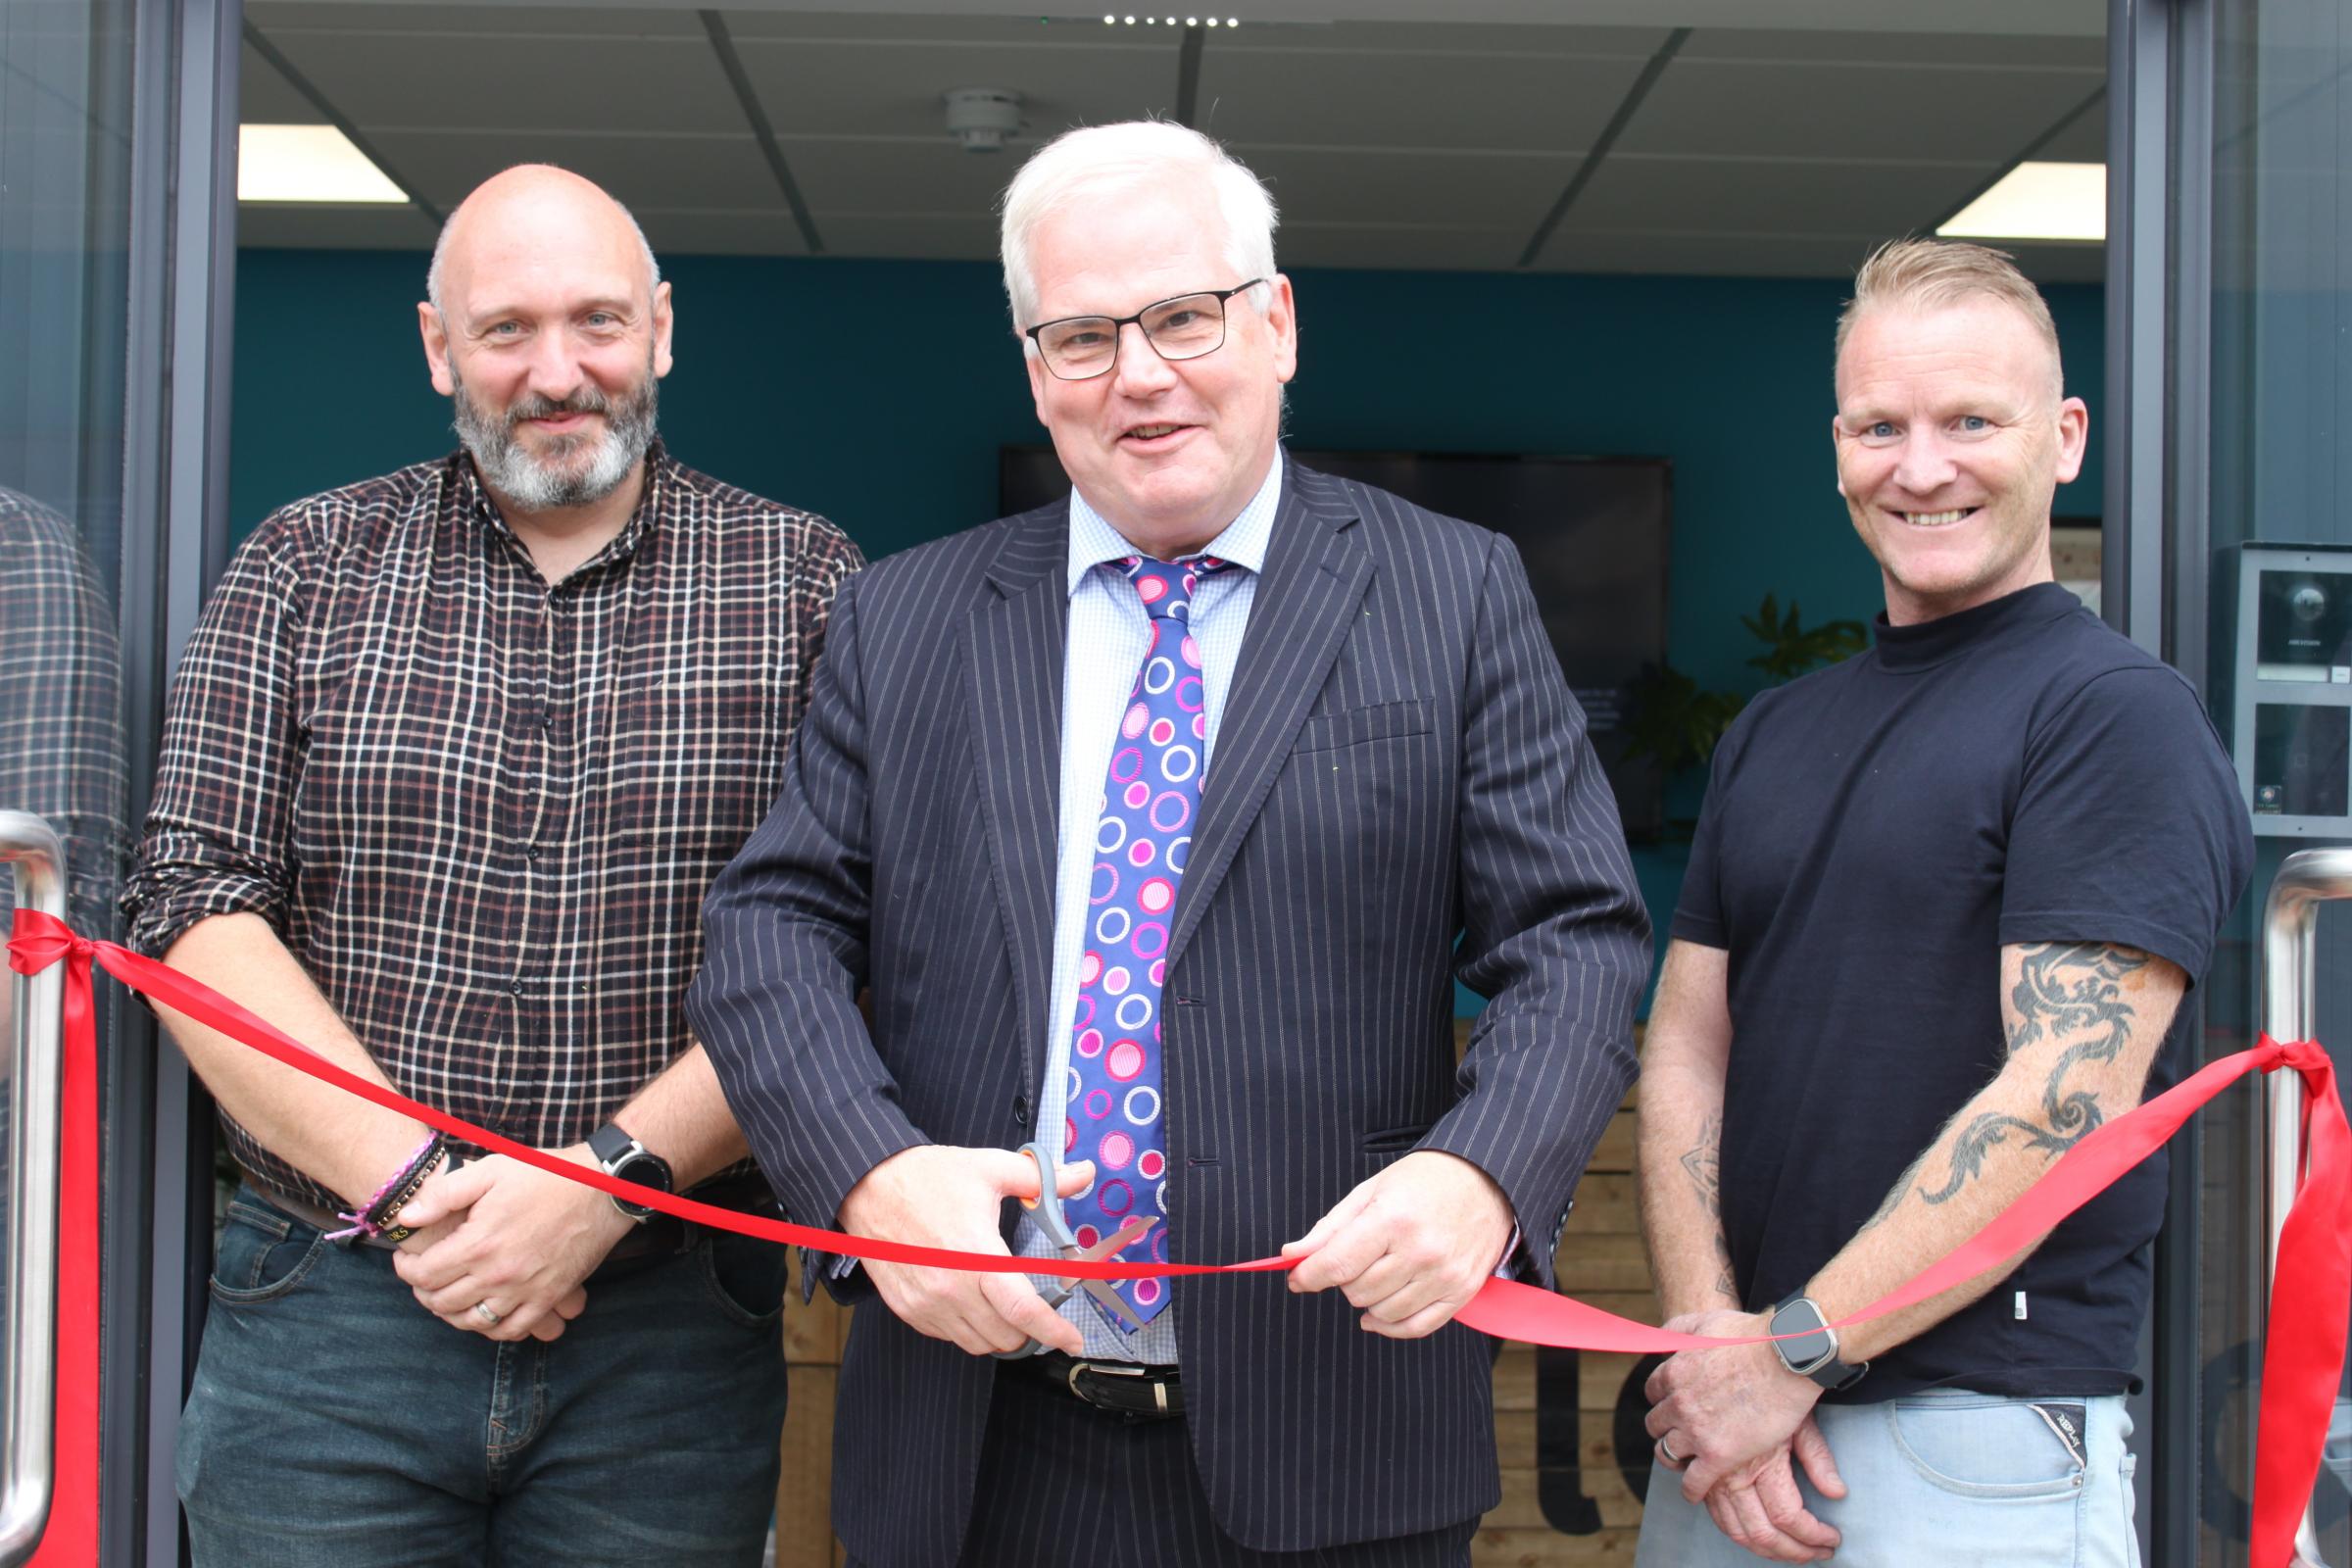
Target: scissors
(1046, 1209)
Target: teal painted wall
(878, 392)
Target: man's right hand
(937, 1194)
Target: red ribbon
(2303, 1361)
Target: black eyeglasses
(1079, 347)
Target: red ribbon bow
(2311, 1301)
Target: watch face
(1808, 1350)
(646, 1170)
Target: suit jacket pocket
(1380, 722)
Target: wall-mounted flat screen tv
(1593, 532)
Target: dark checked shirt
(482, 811)
(61, 732)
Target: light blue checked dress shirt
(1108, 632)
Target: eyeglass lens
(1182, 328)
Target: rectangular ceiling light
(307, 164)
(2038, 201)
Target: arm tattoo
(1705, 1163)
(2065, 988)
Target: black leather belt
(663, 1236)
(1117, 1388)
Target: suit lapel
(1314, 582)
(1013, 657)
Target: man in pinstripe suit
(1217, 977)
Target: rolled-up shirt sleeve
(217, 835)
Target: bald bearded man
(449, 763)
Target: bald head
(535, 210)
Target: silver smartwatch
(1813, 1354)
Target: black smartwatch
(625, 1157)
(1814, 1353)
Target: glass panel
(64, 180)
(2282, 471)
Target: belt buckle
(1113, 1370)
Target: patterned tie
(1141, 844)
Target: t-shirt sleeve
(2128, 828)
(1699, 915)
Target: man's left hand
(1411, 1245)
(527, 1241)
(1722, 1409)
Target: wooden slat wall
(1600, 1262)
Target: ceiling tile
(481, 81)
(2008, 52)
(352, 228)
(924, 238)
(907, 177)
(705, 233)
(719, 171)
(533, 20)
(1417, 38)
(838, 88)
(1759, 197)
(267, 98)
(2082, 142)
(1368, 245)
(1436, 99)
(1844, 111)
(1425, 188)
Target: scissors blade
(1111, 1246)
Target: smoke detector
(981, 117)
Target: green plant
(1672, 721)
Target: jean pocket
(261, 1254)
(1985, 1448)
(746, 1277)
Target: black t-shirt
(1874, 835)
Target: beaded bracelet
(373, 1222)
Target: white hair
(1094, 160)
(432, 272)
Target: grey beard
(541, 484)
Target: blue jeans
(1946, 1477)
(335, 1423)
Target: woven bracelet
(372, 1221)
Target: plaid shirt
(60, 727)
(483, 811)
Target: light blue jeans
(1946, 1477)
(335, 1423)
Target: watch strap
(610, 1145)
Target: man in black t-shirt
(1943, 905)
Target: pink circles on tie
(1156, 896)
(1137, 794)
(1090, 1043)
(1089, 968)
(1128, 765)
(1151, 589)
(1140, 1107)
(1104, 884)
(1115, 1197)
(1159, 974)
(1170, 812)
(1087, 1235)
(1160, 1233)
(1114, 979)
(1189, 696)
(1146, 1292)
(1137, 717)
(1164, 730)
(1086, 1008)
(1190, 651)
(1115, 1150)
(1097, 1104)
(1139, 854)
(1200, 727)
(1125, 1061)
(1069, 1137)
(1152, 1165)
(1151, 940)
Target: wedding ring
(489, 1315)
(1673, 1459)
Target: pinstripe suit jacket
(1402, 791)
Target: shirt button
(530, 852)
(515, 986)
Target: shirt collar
(1094, 542)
